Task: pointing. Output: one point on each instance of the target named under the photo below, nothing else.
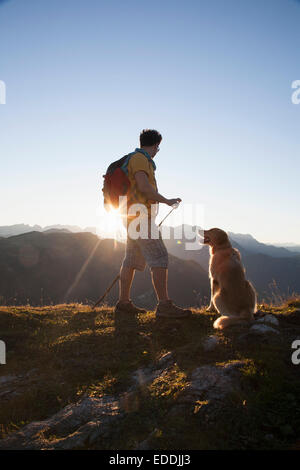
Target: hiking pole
(118, 276)
(173, 208)
(106, 292)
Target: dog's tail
(224, 321)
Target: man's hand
(152, 195)
(171, 202)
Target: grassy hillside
(60, 354)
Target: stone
(263, 329)
(86, 421)
(147, 444)
(7, 379)
(269, 319)
(70, 428)
(212, 382)
(210, 343)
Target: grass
(64, 352)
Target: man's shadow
(125, 323)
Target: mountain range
(19, 229)
(246, 241)
(54, 267)
(44, 266)
(274, 271)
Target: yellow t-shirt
(139, 162)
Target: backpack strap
(124, 167)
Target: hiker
(150, 250)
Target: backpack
(116, 182)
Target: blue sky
(214, 77)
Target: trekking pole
(106, 292)
(118, 276)
(173, 208)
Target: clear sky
(213, 76)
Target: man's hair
(149, 137)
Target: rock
(8, 379)
(147, 444)
(263, 329)
(270, 319)
(210, 343)
(13, 385)
(142, 377)
(212, 382)
(70, 428)
(83, 423)
(205, 395)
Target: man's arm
(146, 188)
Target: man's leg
(133, 260)
(126, 278)
(156, 255)
(160, 280)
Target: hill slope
(77, 378)
(57, 267)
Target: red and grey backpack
(116, 182)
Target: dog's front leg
(214, 287)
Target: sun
(111, 225)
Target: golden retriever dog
(231, 294)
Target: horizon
(98, 232)
(80, 87)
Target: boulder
(268, 319)
(262, 329)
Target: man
(143, 190)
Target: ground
(237, 390)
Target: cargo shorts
(142, 251)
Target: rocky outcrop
(81, 424)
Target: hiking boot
(128, 307)
(168, 309)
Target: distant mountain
(244, 241)
(253, 246)
(55, 230)
(272, 276)
(18, 229)
(189, 248)
(289, 246)
(45, 267)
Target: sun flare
(111, 225)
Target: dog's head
(215, 237)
